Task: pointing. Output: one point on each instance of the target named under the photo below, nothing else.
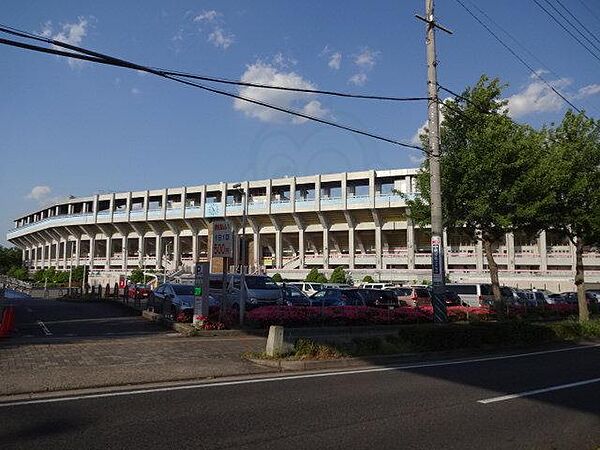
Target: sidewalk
(28, 366)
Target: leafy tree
(20, 273)
(312, 275)
(368, 279)
(487, 162)
(77, 273)
(9, 257)
(321, 278)
(571, 182)
(137, 276)
(338, 276)
(277, 278)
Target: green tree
(338, 276)
(137, 276)
(312, 275)
(277, 278)
(571, 184)
(321, 278)
(9, 257)
(487, 162)
(368, 279)
(20, 273)
(77, 274)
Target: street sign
(201, 291)
(437, 260)
(222, 240)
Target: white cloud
(367, 58)
(217, 34)
(39, 193)
(537, 97)
(135, 91)
(587, 91)
(283, 62)
(358, 79)
(207, 16)
(416, 158)
(267, 74)
(70, 33)
(221, 38)
(335, 61)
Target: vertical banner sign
(121, 281)
(436, 260)
(222, 240)
(201, 291)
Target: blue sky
(71, 128)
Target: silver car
(171, 298)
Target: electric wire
(569, 32)
(581, 24)
(91, 56)
(518, 57)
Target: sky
(75, 128)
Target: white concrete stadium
(355, 220)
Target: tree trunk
(487, 246)
(584, 313)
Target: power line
(221, 80)
(590, 10)
(567, 20)
(513, 38)
(96, 57)
(519, 58)
(569, 32)
(577, 20)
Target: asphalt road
(419, 406)
(50, 319)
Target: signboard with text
(222, 240)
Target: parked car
(292, 296)
(533, 298)
(412, 295)
(138, 291)
(171, 298)
(380, 298)
(260, 290)
(571, 297)
(479, 294)
(306, 287)
(334, 296)
(377, 285)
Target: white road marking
(538, 391)
(288, 377)
(44, 328)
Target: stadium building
(357, 220)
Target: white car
(308, 288)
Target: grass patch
(429, 337)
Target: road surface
(548, 399)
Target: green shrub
(312, 275)
(368, 279)
(338, 276)
(277, 278)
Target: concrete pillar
(410, 243)
(325, 248)
(108, 251)
(301, 247)
(256, 248)
(35, 257)
(77, 250)
(65, 243)
(158, 251)
(479, 254)
(344, 189)
(141, 250)
(176, 250)
(378, 249)
(278, 249)
(194, 247)
(124, 250)
(351, 247)
(510, 250)
(543, 248)
(92, 250)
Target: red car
(138, 291)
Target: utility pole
(435, 202)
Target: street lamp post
(243, 292)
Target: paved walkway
(71, 364)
